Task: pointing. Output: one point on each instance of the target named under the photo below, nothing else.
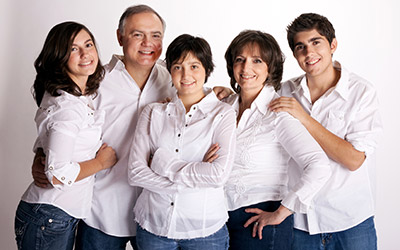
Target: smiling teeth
(313, 62)
(86, 63)
(146, 52)
(246, 77)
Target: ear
(333, 45)
(119, 37)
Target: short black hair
(310, 21)
(270, 53)
(184, 44)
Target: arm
(139, 172)
(62, 130)
(105, 158)
(335, 147)
(308, 155)
(202, 174)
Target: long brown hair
(51, 64)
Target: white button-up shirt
(266, 142)
(69, 131)
(350, 111)
(183, 197)
(122, 100)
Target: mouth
(247, 77)
(187, 84)
(85, 64)
(146, 52)
(313, 62)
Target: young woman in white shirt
(69, 133)
(182, 204)
(259, 200)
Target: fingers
(251, 220)
(253, 210)
(211, 155)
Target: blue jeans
(43, 227)
(276, 237)
(360, 237)
(89, 238)
(148, 241)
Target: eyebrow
(88, 40)
(310, 40)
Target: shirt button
(179, 135)
(50, 220)
(69, 182)
(190, 115)
(186, 125)
(194, 108)
(51, 168)
(177, 150)
(62, 178)
(172, 203)
(42, 228)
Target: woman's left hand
(264, 218)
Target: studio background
(368, 44)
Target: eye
(74, 49)
(88, 45)
(257, 60)
(157, 36)
(137, 35)
(176, 67)
(239, 60)
(316, 42)
(299, 47)
(195, 66)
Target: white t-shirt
(266, 142)
(69, 131)
(183, 196)
(122, 100)
(350, 111)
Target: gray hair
(137, 9)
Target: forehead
(251, 48)
(306, 36)
(188, 57)
(145, 21)
(82, 35)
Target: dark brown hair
(184, 44)
(270, 53)
(51, 64)
(307, 22)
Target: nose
(246, 65)
(145, 40)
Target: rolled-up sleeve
(61, 132)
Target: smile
(84, 64)
(246, 77)
(146, 52)
(313, 62)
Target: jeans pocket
(19, 228)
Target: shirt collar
(261, 102)
(342, 86)
(205, 105)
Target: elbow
(356, 163)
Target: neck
(139, 74)
(189, 100)
(245, 101)
(318, 85)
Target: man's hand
(39, 177)
(290, 105)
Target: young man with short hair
(340, 110)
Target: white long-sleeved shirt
(122, 100)
(69, 131)
(350, 111)
(183, 197)
(266, 142)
